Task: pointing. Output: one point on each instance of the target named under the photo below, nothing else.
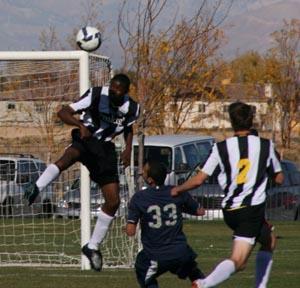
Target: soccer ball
(88, 38)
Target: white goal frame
(83, 58)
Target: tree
(284, 58)
(166, 61)
(249, 68)
(49, 39)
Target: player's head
(154, 172)
(119, 86)
(241, 116)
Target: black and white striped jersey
(100, 118)
(244, 164)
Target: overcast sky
(21, 21)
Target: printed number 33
(156, 212)
(244, 167)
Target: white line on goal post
(82, 56)
(84, 174)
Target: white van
(180, 153)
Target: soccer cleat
(94, 256)
(31, 192)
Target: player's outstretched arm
(191, 183)
(126, 154)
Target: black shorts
(147, 270)
(99, 157)
(245, 222)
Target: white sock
(51, 172)
(100, 230)
(221, 273)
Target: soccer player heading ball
(105, 113)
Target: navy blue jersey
(160, 217)
(100, 117)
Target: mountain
(251, 29)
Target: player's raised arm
(126, 154)
(207, 170)
(66, 115)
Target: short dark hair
(241, 116)
(253, 132)
(123, 79)
(157, 171)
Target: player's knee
(240, 266)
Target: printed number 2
(244, 166)
(156, 215)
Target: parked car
(69, 205)
(16, 172)
(283, 201)
(209, 195)
(180, 153)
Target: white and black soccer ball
(88, 38)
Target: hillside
(251, 30)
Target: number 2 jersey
(160, 217)
(244, 164)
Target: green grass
(211, 240)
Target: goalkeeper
(105, 112)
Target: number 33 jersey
(244, 165)
(160, 217)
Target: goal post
(29, 82)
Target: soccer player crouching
(165, 246)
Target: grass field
(212, 242)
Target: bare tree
(49, 39)
(167, 61)
(286, 80)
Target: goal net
(33, 85)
